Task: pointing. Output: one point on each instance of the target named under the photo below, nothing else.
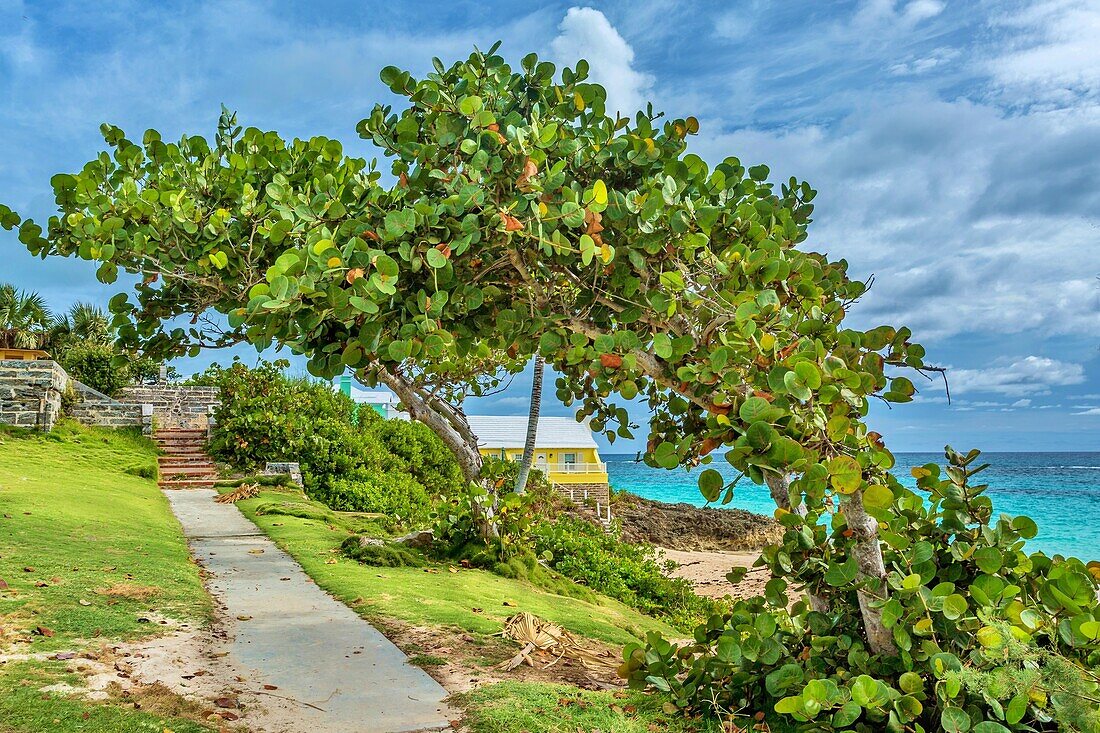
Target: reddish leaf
(611, 361)
(529, 170)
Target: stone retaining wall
(174, 406)
(30, 392)
(95, 408)
(581, 493)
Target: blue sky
(956, 147)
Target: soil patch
(692, 528)
(470, 661)
(130, 591)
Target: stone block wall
(174, 406)
(30, 392)
(581, 493)
(95, 408)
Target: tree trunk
(532, 426)
(868, 555)
(452, 428)
(780, 488)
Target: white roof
(363, 396)
(510, 431)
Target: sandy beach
(706, 570)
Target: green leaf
(989, 726)
(845, 475)
(849, 713)
(954, 720)
(840, 574)
(988, 559)
(436, 258)
(469, 105)
(867, 692)
(789, 705)
(1016, 709)
(954, 606)
(837, 428)
(1025, 526)
(878, 497)
(781, 679)
(386, 265)
(662, 346)
(711, 484)
(761, 435)
(759, 173)
(755, 409)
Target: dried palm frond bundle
(244, 491)
(538, 636)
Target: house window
(570, 461)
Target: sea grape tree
(519, 218)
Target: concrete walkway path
(295, 636)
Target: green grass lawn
(509, 707)
(441, 598)
(88, 548)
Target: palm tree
(532, 426)
(84, 321)
(24, 318)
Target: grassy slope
(447, 599)
(74, 512)
(437, 599)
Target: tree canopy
(521, 218)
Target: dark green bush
(421, 452)
(351, 459)
(91, 363)
(586, 553)
(393, 493)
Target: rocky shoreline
(690, 528)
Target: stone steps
(184, 463)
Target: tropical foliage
(80, 339)
(589, 554)
(521, 218)
(351, 459)
(24, 319)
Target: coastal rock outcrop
(687, 527)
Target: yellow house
(22, 354)
(564, 450)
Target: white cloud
(1090, 411)
(587, 34)
(1022, 403)
(1032, 375)
(1051, 54)
(964, 232)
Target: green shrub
(589, 555)
(421, 452)
(388, 555)
(91, 363)
(394, 493)
(351, 459)
(990, 638)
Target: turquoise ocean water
(1060, 491)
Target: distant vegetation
(352, 459)
(80, 339)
